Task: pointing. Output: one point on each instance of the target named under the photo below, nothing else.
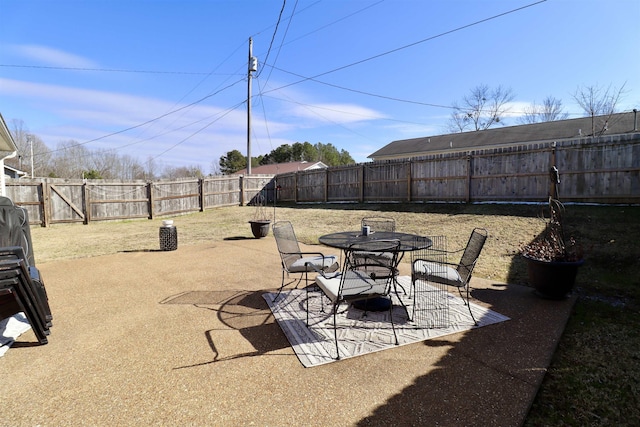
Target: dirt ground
(149, 337)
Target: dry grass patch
(508, 226)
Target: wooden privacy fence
(50, 201)
(591, 170)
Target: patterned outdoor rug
(437, 314)
(10, 329)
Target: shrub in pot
(552, 258)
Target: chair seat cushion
(356, 285)
(329, 284)
(299, 266)
(438, 273)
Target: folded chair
(22, 285)
(294, 261)
(442, 271)
(16, 282)
(366, 279)
(31, 279)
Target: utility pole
(30, 141)
(252, 66)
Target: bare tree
(106, 163)
(596, 101)
(214, 169)
(70, 160)
(150, 172)
(550, 110)
(129, 168)
(41, 156)
(30, 149)
(137, 171)
(179, 172)
(482, 108)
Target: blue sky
(382, 70)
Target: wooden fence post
(409, 184)
(242, 184)
(326, 185)
(86, 206)
(469, 173)
(46, 202)
(554, 174)
(201, 191)
(361, 183)
(43, 204)
(150, 198)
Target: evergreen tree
(233, 162)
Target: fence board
(343, 184)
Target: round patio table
(344, 239)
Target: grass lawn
(594, 376)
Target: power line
(413, 44)
(151, 120)
(284, 2)
(286, 31)
(313, 78)
(312, 107)
(191, 91)
(361, 91)
(335, 22)
(229, 110)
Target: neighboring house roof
(279, 168)
(614, 124)
(13, 172)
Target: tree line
(234, 161)
(485, 107)
(71, 159)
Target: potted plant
(261, 220)
(553, 258)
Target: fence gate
(66, 202)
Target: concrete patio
(185, 338)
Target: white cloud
(102, 108)
(336, 113)
(517, 108)
(413, 130)
(52, 57)
(200, 132)
(84, 115)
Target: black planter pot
(260, 228)
(552, 279)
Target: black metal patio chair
(366, 279)
(295, 261)
(436, 267)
